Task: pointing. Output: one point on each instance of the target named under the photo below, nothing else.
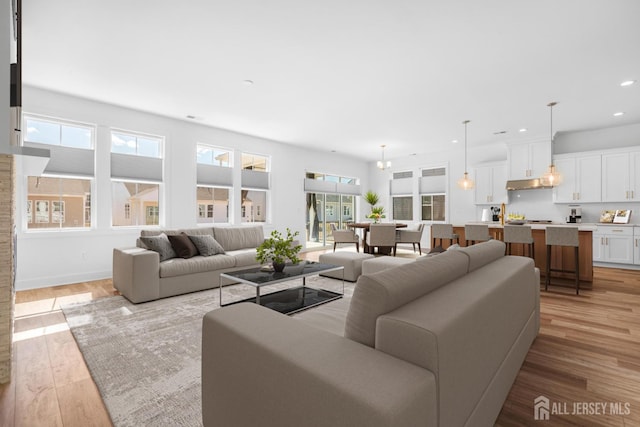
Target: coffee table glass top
(257, 277)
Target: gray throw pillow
(160, 244)
(207, 245)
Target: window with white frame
(61, 197)
(215, 156)
(136, 178)
(214, 180)
(255, 187)
(213, 205)
(433, 185)
(402, 196)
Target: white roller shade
(214, 175)
(402, 186)
(67, 160)
(433, 181)
(255, 179)
(352, 189)
(319, 186)
(125, 166)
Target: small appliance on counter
(495, 213)
(575, 214)
(486, 215)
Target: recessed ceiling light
(523, 130)
(627, 83)
(247, 82)
(455, 141)
(619, 113)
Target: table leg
(258, 295)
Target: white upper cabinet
(491, 182)
(620, 177)
(530, 160)
(581, 178)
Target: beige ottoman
(351, 261)
(382, 263)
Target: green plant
(371, 198)
(278, 249)
(377, 212)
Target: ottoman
(382, 263)
(351, 261)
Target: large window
(136, 177)
(213, 205)
(433, 185)
(254, 205)
(402, 196)
(215, 156)
(56, 203)
(255, 162)
(255, 187)
(50, 132)
(403, 208)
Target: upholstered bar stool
(520, 234)
(443, 231)
(562, 236)
(476, 233)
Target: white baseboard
(67, 279)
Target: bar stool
(443, 231)
(518, 234)
(476, 233)
(562, 236)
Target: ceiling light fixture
(465, 182)
(523, 130)
(551, 178)
(619, 113)
(382, 165)
(455, 141)
(247, 82)
(627, 83)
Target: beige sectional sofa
(435, 342)
(140, 276)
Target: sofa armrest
(263, 368)
(136, 273)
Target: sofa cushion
(207, 245)
(160, 244)
(463, 332)
(197, 264)
(183, 246)
(483, 253)
(244, 257)
(384, 291)
(232, 238)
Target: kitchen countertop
(543, 226)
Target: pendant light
(465, 182)
(551, 178)
(382, 165)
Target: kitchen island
(561, 257)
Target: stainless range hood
(526, 184)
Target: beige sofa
(436, 342)
(140, 276)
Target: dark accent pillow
(436, 250)
(183, 246)
(206, 244)
(160, 244)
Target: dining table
(364, 226)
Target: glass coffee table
(286, 301)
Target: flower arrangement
(377, 212)
(277, 249)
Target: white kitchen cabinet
(581, 178)
(613, 244)
(490, 185)
(636, 245)
(620, 177)
(529, 160)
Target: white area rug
(145, 358)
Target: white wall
(47, 258)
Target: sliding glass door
(322, 210)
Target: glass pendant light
(551, 178)
(465, 182)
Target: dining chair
(411, 236)
(382, 235)
(344, 236)
(476, 233)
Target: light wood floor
(588, 350)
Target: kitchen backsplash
(538, 204)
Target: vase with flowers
(377, 212)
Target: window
(433, 207)
(215, 156)
(254, 206)
(136, 175)
(403, 208)
(254, 162)
(213, 205)
(134, 203)
(50, 132)
(58, 203)
(138, 145)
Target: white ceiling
(347, 75)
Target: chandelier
(382, 165)
(551, 178)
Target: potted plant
(377, 212)
(277, 249)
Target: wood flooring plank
(81, 405)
